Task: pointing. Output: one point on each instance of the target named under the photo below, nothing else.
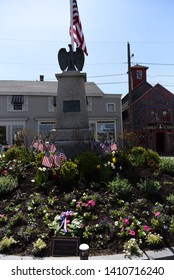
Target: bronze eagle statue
(71, 60)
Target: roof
(41, 87)
(139, 66)
(157, 88)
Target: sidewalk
(165, 254)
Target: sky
(33, 31)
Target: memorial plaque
(65, 246)
(71, 106)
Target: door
(2, 135)
(160, 142)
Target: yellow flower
(113, 159)
(98, 166)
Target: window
(15, 130)
(110, 107)
(139, 74)
(105, 131)
(17, 103)
(45, 128)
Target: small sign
(65, 246)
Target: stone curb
(165, 254)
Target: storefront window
(45, 128)
(105, 131)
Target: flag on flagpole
(77, 32)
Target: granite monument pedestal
(72, 132)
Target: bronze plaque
(71, 106)
(65, 246)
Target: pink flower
(2, 215)
(126, 221)
(157, 214)
(146, 228)
(92, 202)
(79, 203)
(132, 232)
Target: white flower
(33, 181)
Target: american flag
(113, 147)
(78, 36)
(47, 160)
(58, 158)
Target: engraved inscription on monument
(71, 106)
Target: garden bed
(104, 216)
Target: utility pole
(129, 88)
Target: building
(148, 111)
(30, 106)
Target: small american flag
(113, 147)
(78, 36)
(59, 157)
(47, 160)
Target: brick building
(149, 111)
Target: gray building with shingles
(30, 106)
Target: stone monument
(72, 132)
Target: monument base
(73, 141)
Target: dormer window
(139, 74)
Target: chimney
(41, 78)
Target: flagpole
(71, 23)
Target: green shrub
(148, 186)
(39, 246)
(16, 220)
(87, 164)
(171, 226)
(68, 171)
(6, 243)
(154, 239)
(152, 158)
(170, 199)
(22, 153)
(8, 183)
(137, 156)
(167, 165)
(120, 186)
(39, 159)
(140, 157)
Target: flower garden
(116, 202)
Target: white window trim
(89, 105)
(10, 107)
(107, 107)
(51, 107)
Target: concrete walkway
(165, 254)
